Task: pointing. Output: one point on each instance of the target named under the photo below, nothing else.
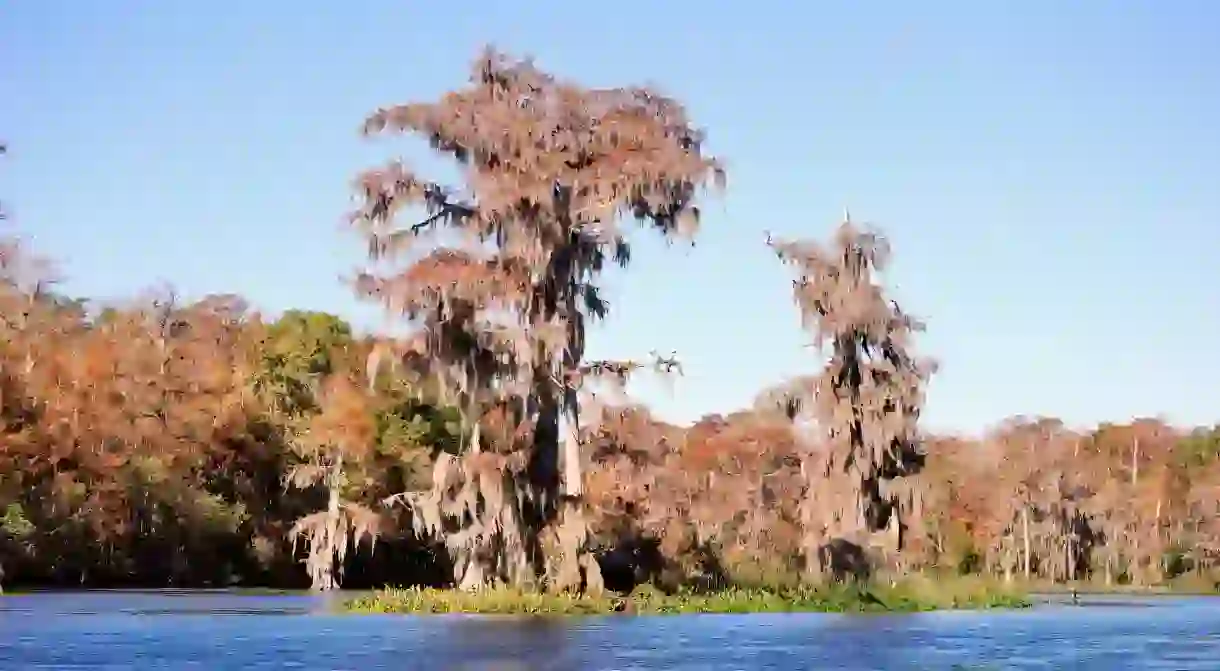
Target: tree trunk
(571, 530)
(1156, 544)
(1025, 568)
(470, 568)
(333, 520)
(1135, 462)
(1072, 549)
(1135, 559)
(570, 570)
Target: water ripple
(218, 631)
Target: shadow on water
(102, 602)
(525, 643)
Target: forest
(165, 442)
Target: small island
(841, 598)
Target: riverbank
(908, 596)
(1175, 587)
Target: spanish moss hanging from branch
(864, 406)
(500, 282)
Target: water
(216, 631)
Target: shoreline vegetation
(912, 594)
(908, 596)
(478, 452)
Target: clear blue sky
(1049, 172)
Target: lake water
(216, 631)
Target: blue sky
(1048, 172)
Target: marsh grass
(911, 595)
(1180, 586)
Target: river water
(216, 631)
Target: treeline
(1132, 503)
(163, 443)
(200, 444)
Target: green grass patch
(913, 595)
(1185, 585)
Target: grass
(911, 595)
(1180, 586)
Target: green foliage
(300, 348)
(306, 342)
(840, 598)
(1200, 448)
(491, 601)
(413, 423)
(14, 522)
(172, 506)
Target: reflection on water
(227, 630)
(168, 602)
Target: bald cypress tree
(499, 281)
(864, 406)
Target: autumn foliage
(167, 442)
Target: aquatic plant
(833, 598)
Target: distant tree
(865, 405)
(329, 426)
(329, 445)
(300, 350)
(501, 302)
(1200, 454)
